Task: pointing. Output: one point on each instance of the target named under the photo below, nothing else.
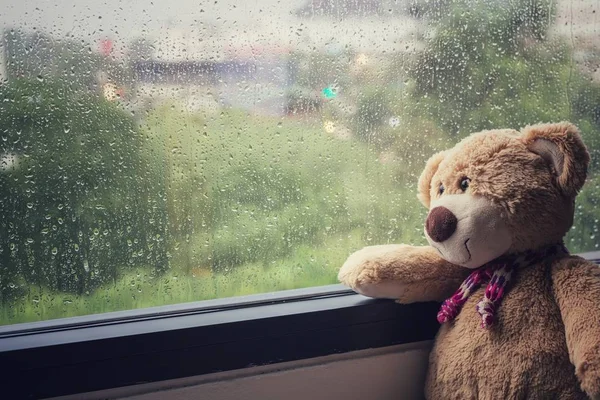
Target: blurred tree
(76, 64)
(373, 111)
(79, 203)
(490, 64)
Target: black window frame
(106, 351)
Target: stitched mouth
(440, 251)
(467, 247)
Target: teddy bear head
(499, 192)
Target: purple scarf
(498, 272)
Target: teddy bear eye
(464, 184)
(441, 188)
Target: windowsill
(82, 354)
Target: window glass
(157, 152)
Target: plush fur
(546, 342)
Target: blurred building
(204, 71)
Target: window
(157, 153)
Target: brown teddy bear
(520, 316)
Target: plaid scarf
(498, 272)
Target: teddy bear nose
(440, 224)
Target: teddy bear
(519, 316)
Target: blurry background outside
(161, 152)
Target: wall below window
(396, 372)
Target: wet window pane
(157, 152)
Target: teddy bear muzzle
(467, 230)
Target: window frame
(98, 352)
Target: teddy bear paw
(368, 271)
(358, 270)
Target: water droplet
(394, 122)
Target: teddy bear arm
(401, 272)
(576, 287)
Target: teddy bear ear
(425, 179)
(560, 145)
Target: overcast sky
(233, 23)
(189, 28)
(129, 18)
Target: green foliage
(139, 288)
(245, 189)
(300, 100)
(41, 56)
(373, 111)
(79, 204)
(584, 235)
(489, 64)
